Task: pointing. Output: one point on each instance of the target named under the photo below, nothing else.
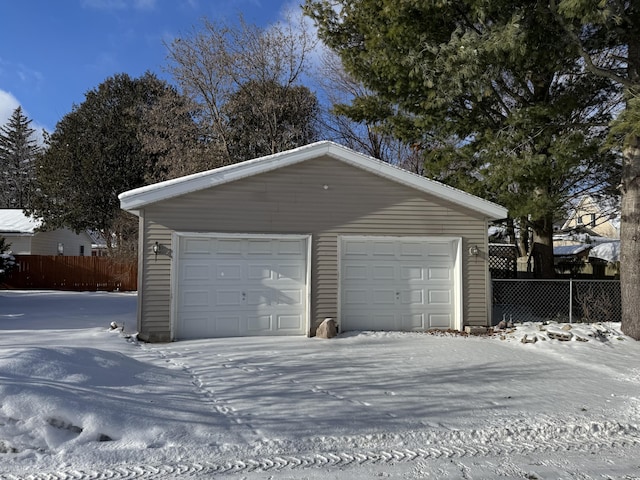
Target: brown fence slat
(72, 273)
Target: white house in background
(589, 216)
(22, 233)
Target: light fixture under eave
(474, 250)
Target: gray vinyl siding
(292, 200)
(46, 243)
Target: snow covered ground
(80, 401)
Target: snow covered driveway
(79, 401)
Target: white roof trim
(135, 199)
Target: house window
(82, 250)
(593, 219)
(579, 222)
(60, 248)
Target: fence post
(571, 300)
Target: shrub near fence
(560, 300)
(72, 273)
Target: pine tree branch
(584, 53)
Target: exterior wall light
(156, 249)
(474, 250)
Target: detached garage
(275, 245)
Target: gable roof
(13, 220)
(135, 199)
(606, 210)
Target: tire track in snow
(453, 446)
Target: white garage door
(239, 286)
(398, 283)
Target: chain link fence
(570, 301)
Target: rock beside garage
(327, 329)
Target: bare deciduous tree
(213, 63)
(363, 135)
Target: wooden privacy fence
(72, 273)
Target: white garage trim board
(240, 284)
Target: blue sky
(53, 52)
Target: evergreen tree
(7, 261)
(18, 150)
(94, 154)
(492, 93)
(175, 139)
(607, 36)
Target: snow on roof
(565, 250)
(13, 220)
(609, 251)
(135, 199)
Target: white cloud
(120, 4)
(8, 103)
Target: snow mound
(532, 332)
(609, 251)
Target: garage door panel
(227, 298)
(290, 322)
(357, 248)
(383, 248)
(288, 297)
(196, 299)
(353, 297)
(355, 272)
(260, 247)
(259, 323)
(195, 271)
(248, 286)
(290, 272)
(225, 325)
(193, 325)
(412, 297)
(228, 272)
(412, 322)
(440, 249)
(410, 249)
(412, 272)
(384, 297)
(228, 247)
(383, 272)
(440, 297)
(356, 322)
(440, 320)
(195, 246)
(259, 272)
(385, 321)
(290, 248)
(397, 283)
(439, 273)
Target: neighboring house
(22, 233)
(594, 218)
(98, 244)
(275, 245)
